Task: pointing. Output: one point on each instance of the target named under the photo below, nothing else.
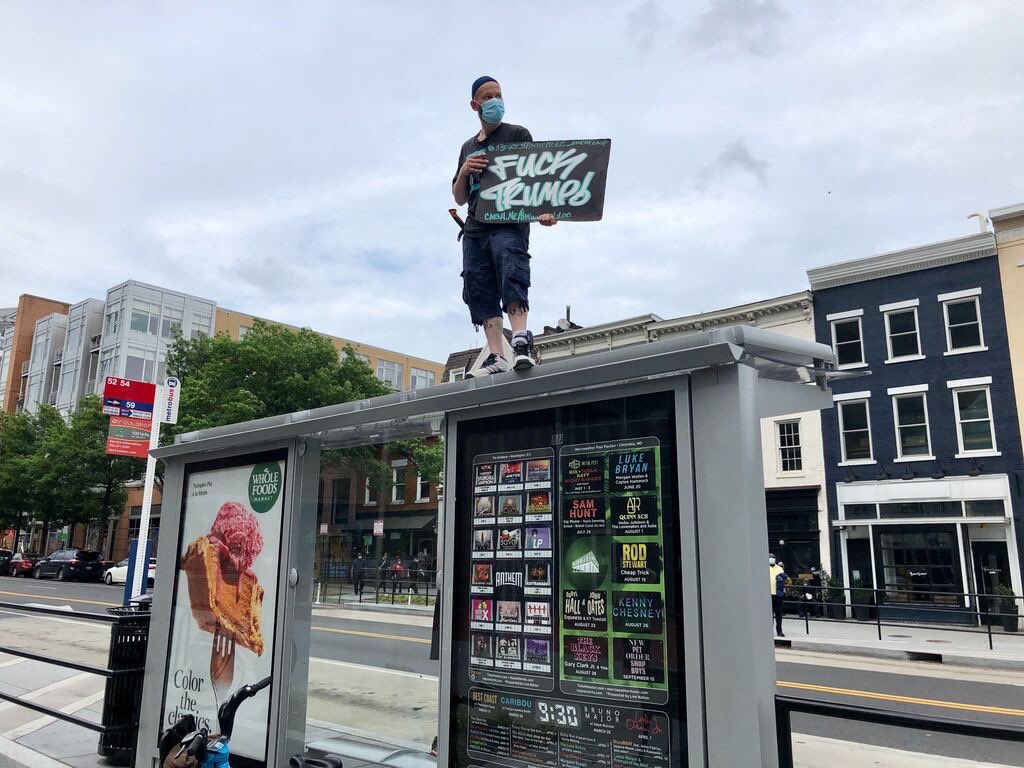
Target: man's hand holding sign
(508, 181)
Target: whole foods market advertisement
(225, 598)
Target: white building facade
(44, 366)
(80, 360)
(140, 323)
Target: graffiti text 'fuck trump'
(525, 180)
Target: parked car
(70, 564)
(5, 558)
(21, 565)
(118, 574)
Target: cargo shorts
(495, 273)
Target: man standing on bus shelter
(495, 257)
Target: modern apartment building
(798, 530)
(140, 322)
(80, 359)
(923, 456)
(17, 334)
(45, 361)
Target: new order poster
(611, 572)
(226, 591)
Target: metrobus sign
(128, 398)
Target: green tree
(18, 438)
(271, 371)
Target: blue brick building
(923, 463)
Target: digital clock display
(557, 713)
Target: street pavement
(370, 673)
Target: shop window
(986, 508)
(963, 324)
(847, 342)
(974, 420)
(919, 566)
(790, 456)
(922, 509)
(911, 415)
(855, 429)
(902, 334)
(860, 512)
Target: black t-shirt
(503, 134)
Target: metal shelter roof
(419, 412)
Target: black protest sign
(527, 179)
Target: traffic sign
(169, 400)
(128, 437)
(378, 527)
(128, 398)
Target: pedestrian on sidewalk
(495, 255)
(358, 574)
(778, 582)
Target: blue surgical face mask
(492, 111)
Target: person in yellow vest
(778, 583)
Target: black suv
(69, 564)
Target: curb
(958, 659)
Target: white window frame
(367, 501)
(395, 486)
(842, 317)
(780, 467)
(420, 481)
(962, 297)
(841, 403)
(897, 308)
(457, 374)
(896, 394)
(973, 385)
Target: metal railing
(785, 706)
(405, 587)
(929, 609)
(125, 729)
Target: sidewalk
(403, 602)
(917, 643)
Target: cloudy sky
(295, 160)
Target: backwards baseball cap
(480, 81)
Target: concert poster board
(563, 654)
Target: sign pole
(142, 569)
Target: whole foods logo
(265, 486)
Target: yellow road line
(59, 599)
(377, 635)
(904, 699)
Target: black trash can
(122, 700)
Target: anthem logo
(586, 564)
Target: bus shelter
(601, 556)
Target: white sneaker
(492, 364)
(524, 356)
